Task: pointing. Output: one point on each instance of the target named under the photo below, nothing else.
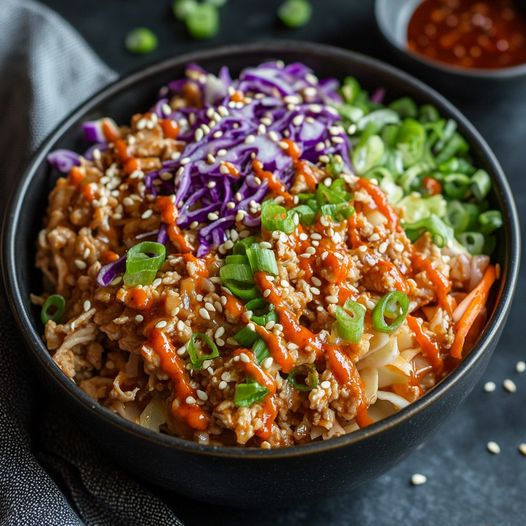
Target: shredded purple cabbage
(63, 160)
(110, 271)
(283, 102)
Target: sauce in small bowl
(472, 34)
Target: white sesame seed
(251, 326)
(199, 134)
(212, 216)
(180, 325)
(147, 213)
(489, 387)
(209, 306)
(325, 385)
(267, 362)
(493, 448)
(316, 281)
(139, 318)
(190, 400)
(161, 324)
(509, 385)
(266, 293)
(184, 161)
(116, 281)
(87, 305)
(127, 201)
(520, 367)
(156, 282)
(204, 313)
(315, 291)
(270, 325)
(201, 395)
(332, 299)
(244, 358)
(418, 479)
(522, 449)
(374, 237)
(222, 385)
(250, 139)
(231, 205)
(310, 250)
(382, 248)
(219, 332)
(81, 265)
(211, 184)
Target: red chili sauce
(469, 33)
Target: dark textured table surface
(466, 485)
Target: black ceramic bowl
(392, 18)
(227, 475)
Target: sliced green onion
(240, 248)
(411, 141)
(428, 113)
(490, 221)
(262, 311)
(405, 107)
(262, 260)
(276, 217)
(335, 166)
(440, 232)
(337, 212)
(142, 263)
(456, 165)
(240, 272)
(462, 216)
(393, 305)
(351, 89)
(350, 321)
(247, 394)
(309, 374)
(480, 184)
(241, 290)
(141, 40)
(197, 356)
(447, 133)
(334, 194)
(368, 154)
(295, 13)
(53, 308)
(236, 259)
(182, 8)
(246, 337)
(456, 186)
(378, 119)
(455, 145)
(260, 350)
(202, 21)
(473, 242)
(306, 214)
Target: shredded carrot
(170, 128)
(138, 299)
(480, 297)
(380, 200)
(441, 284)
(122, 150)
(432, 186)
(110, 131)
(108, 256)
(76, 176)
(88, 191)
(429, 348)
(131, 165)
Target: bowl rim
(498, 74)
(274, 48)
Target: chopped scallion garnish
(53, 308)
(394, 306)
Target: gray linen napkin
(50, 474)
